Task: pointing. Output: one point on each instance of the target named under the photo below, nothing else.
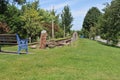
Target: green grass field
(83, 60)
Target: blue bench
(14, 39)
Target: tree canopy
(110, 22)
(67, 19)
(30, 19)
(90, 21)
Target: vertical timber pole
(64, 31)
(52, 29)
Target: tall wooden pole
(52, 29)
(64, 31)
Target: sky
(78, 8)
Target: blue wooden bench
(14, 39)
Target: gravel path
(105, 41)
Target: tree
(66, 19)
(4, 3)
(110, 22)
(46, 18)
(32, 21)
(12, 19)
(3, 6)
(54, 16)
(90, 21)
(20, 2)
(11, 22)
(92, 32)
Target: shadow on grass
(108, 44)
(11, 52)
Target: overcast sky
(78, 8)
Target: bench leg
(18, 50)
(26, 51)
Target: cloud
(100, 6)
(66, 3)
(82, 12)
(56, 6)
(44, 2)
(79, 13)
(61, 5)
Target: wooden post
(52, 29)
(29, 39)
(64, 31)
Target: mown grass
(83, 60)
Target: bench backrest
(18, 39)
(8, 39)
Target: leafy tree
(31, 18)
(3, 6)
(90, 21)
(54, 16)
(12, 18)
(4, 3)
(66, 19)
(2, 18)
(92, 32)
(110, 22)
(46, 18)
(20, 2)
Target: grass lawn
(83, 60)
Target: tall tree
(9, 18)
(90, 21)
(14, 21)
(54, 16)
(46, 18)
(20, 2)
(3, 6)
(67, 19)
(32, 21)
(110, 22)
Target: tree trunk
(108, 41)
(29, 39)
(93, 37)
